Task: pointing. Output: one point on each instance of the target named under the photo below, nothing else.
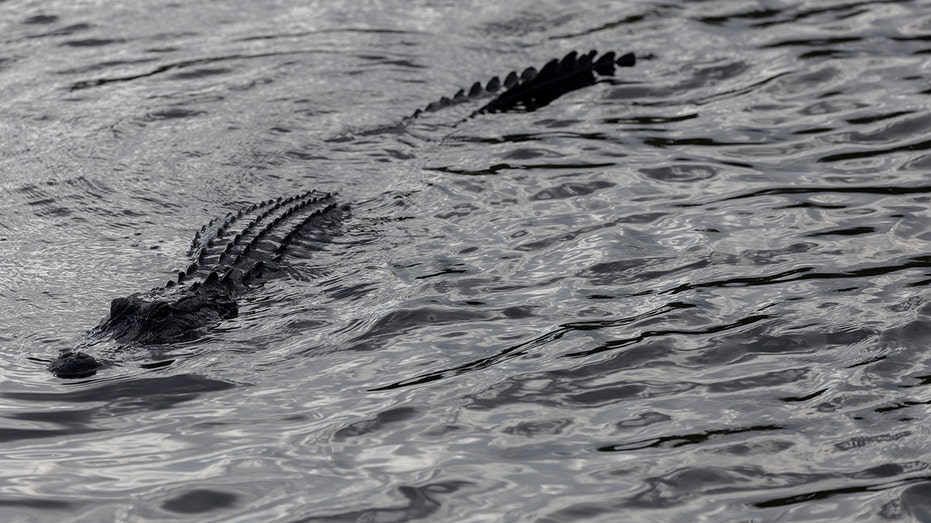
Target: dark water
(698, 294)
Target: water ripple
(696, 291)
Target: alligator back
(238, 248)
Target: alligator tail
(532, 89)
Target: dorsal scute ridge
(531, 89)
(242, 242)
(290, 207)
(213, 234)
(557, 78)
(199, 236)
(510, 80)
(254, 271)
(530, 73)
(586, 59)
(288, 239)
(568, 61)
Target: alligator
(231, 255)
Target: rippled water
(698, 293)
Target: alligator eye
(187, 304)
(118, 307)
(160, 313)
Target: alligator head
(162, 315)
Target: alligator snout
(74, 365)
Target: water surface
(695, 293)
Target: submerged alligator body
(228, 257)
(232, 255)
